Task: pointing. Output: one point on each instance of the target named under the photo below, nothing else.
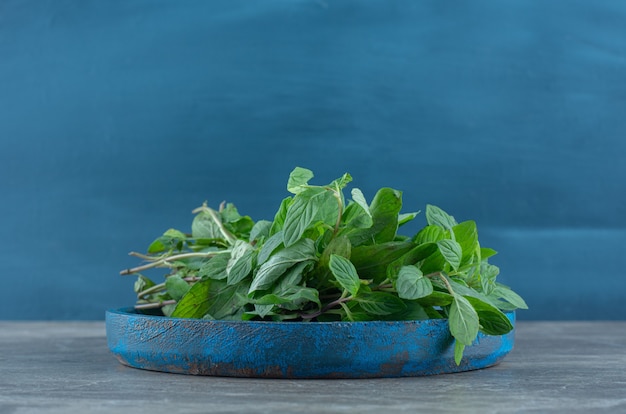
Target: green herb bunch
(326, 258)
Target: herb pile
(325, 258)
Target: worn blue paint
(295, 349)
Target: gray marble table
(65, 367)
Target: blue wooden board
(295, 349)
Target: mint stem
(155, 305)
(165, 261)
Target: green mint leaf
(506, 294)
(413, 312)
(464, 290)
(488, 275)
(492, 320)
(429, 234)
(354, 217)
(240, 263)
(215, 267)
(241, 268)
(437, 217)
(171, 239)
(359, 200)
(204, 227)
(486, 253)
(339, 246)
(328, 208)
(293, 276)
(412, 257)
(298, 178)
(436, 298)
(302, 213)
(411, 283)
(451, 251)
(357, 214)
(264, 310)
(406, 217)
(279, 217)
(195, 303)
(380, 303)
(157, 246)
(293, 298)
(142, 283)
(371, 261)
(433, 263)
(384, 209)
(176, 287)
(276, 265)
(345, 273)
(175, 234)
(226, 301)
(459, 348)
(341, 182)
(234, 222)
(466, 235)
(463, 320)
(260, 230)
(270, 246)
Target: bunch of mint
(326, 258)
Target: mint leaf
(406, 217)
(463, 320)
(195, 303)
(341, 182)
(276, 265)
(466, 235)
(436, 298)
(270, 246)
(371, 261)
(451, 251)
(298, 178)
(384, 209)
(380, 303)
(411, 283)
(171, 239)
(505, 293)
(215, 267)
(204, 227)
(486, 253)
(412, 257)
(357, 214)
(488, 274)
(260, 230)
(429, 234)
(300, 216)
(459, 348)
(240, 268)
(492, 320)
(292, 299)
(437, 217)
(176, 287)
(345, 273)
(309, 206)
(279, 217)
(226, 301)
(339, 246)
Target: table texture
(65, 367)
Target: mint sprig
(327, 258)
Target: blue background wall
(119, 117)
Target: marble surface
(65, 367)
